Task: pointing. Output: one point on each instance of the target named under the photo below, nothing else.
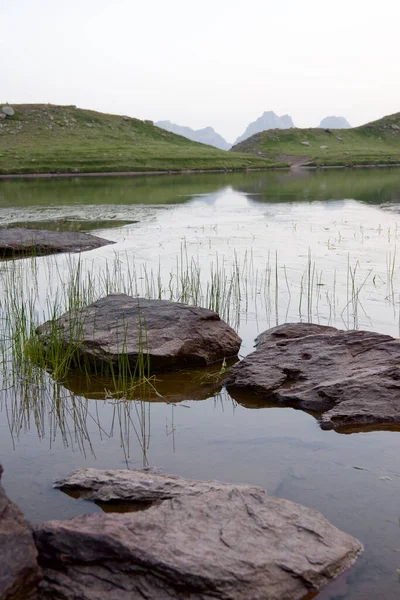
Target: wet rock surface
(351, 377)
(19, 571)
(196, 540)
(19, 241)
(171, 334)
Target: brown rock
(171, 334)
(202, 541)
(19, 241)
(351, 377)
(19, 571)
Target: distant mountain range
(268, 120)
(335, 123)
(204, 136)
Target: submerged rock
(19, 571)
(196, 540)
(170, 334)
(23, 242)
(351, 377)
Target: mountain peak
(333, 122)
(207, 135)
(268, 120)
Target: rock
(171, 334)
(21, 241)
(324, 147)
(351, 377)
(194, 540)
(126, 118)
(305, 143)
(339, 139)
(8, 111)
(19, 571)
(2, 116)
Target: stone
(324, 147)
(2, 116)
(305, 143)
(21, 241)
(19, 570)
(8, 111)
(351, 377)
(197, 540)
(171, 334)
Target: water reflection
(315, 246)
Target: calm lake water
(312, 246)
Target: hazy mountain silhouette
(335, 123)
(204, 136)
(269, 120)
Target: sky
(218, 63)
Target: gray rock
(203, 541)
(19, 571)
(8, 111)
(171, 334)
(3, 116)
(351, 377)
(305, 143)
(20, 241)
(324, 147)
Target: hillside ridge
(375, 143)
(48, 138)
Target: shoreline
(135, 173)
(293, 167)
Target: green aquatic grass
(231, 289)
(33, 374)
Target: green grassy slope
(43, 138)
(375, 143)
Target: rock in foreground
(351, 377)
(171, 334)
(19, 241)
(197, 540)
(19, 571)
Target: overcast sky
(212, 62)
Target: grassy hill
(44, 138)
(375, 143)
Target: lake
(262, 248)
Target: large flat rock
(203, 541)
(19, 570)
(20, 241)
(171, 334)
(351, 377)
